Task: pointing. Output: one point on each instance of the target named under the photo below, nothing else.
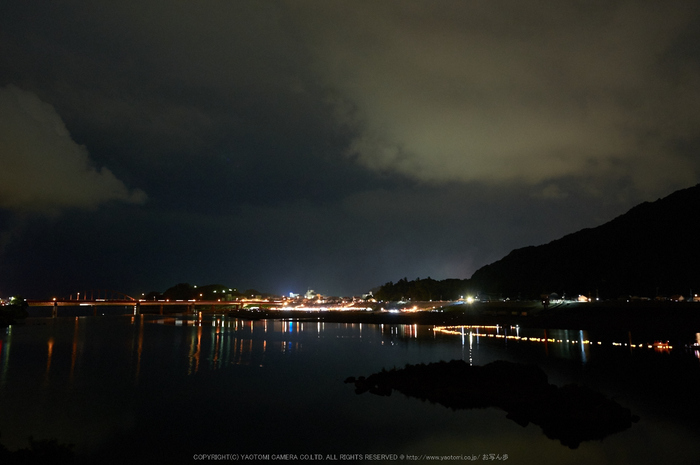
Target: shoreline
(665, 317)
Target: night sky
(331, 145)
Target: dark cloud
(332, 145)
(43, 170)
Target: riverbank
(604, 315)
(662, 319)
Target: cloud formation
(506, 91)
(43, 170)
(335, 145)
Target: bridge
(106, 298)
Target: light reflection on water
(247, 342)
(5, 355)
(98, 382)
(552, 337)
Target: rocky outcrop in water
(570, 414)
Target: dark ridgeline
(39, 452)
(653, 249)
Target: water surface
(150, 389)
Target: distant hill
(422, 289)
(653, 249)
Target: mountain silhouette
(652, 250)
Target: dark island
(571, 414)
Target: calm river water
(150, 389)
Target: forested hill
(653, 249)
(422, 289)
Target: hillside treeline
(186, 291)
(422, 289)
